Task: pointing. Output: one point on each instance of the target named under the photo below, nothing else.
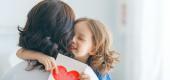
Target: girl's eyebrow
(81, 34)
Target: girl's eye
(80, 38)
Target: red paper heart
(64, 75)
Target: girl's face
(82, 43)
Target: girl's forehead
(82, 28)
(81, 23)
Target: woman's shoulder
(18, 72)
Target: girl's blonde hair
(105, 58)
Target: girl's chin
(74, 53)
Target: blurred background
(140, 29)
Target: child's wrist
(39, 57)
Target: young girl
(90, 45)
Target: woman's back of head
(48, 27)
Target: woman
(48, 30)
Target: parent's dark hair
(48, 28)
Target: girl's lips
(72, 48)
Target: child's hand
(48, 62)
(84, 76)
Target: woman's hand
(84, 76)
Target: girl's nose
(73, 40)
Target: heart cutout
(64, 75)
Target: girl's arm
(28, 54)
(47, 61)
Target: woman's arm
(47, 61)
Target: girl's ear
(93, 52)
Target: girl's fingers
(50, 65)
(53, 63)
(48, 62)
(56, 70)
(84, 76)
(47, 66)
(54, 66)
(84, 79)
